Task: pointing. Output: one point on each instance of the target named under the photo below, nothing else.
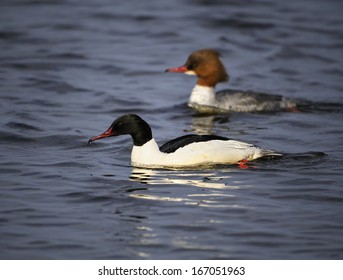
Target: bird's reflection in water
(205, 179)
(202, 124)
(211, 190)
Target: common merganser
(210, 71)
(185, 151)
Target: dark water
(69, 68)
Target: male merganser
(185, 151)
(210, 71)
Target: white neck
(203, 95)
(148, 154)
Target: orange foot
(293, 110)
(243, 164)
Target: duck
(207, 66)
(188, 151)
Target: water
(69, 68)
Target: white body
(196, 154)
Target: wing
(249, 96)
(173, 145)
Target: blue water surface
(69, 68)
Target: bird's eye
(119, 125)
(192, 66)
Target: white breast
(202, 95)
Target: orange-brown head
(206, 65)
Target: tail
(270, 155)
(267, 155)
(326, 107)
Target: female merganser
(209, 69)
(185, 151)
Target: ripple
(22, 126)
(57, 86)
(14, 138)
(11, 35)
(67, 56)
(85, 197)
(296, 53)
(241, 24)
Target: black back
(172, 145)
